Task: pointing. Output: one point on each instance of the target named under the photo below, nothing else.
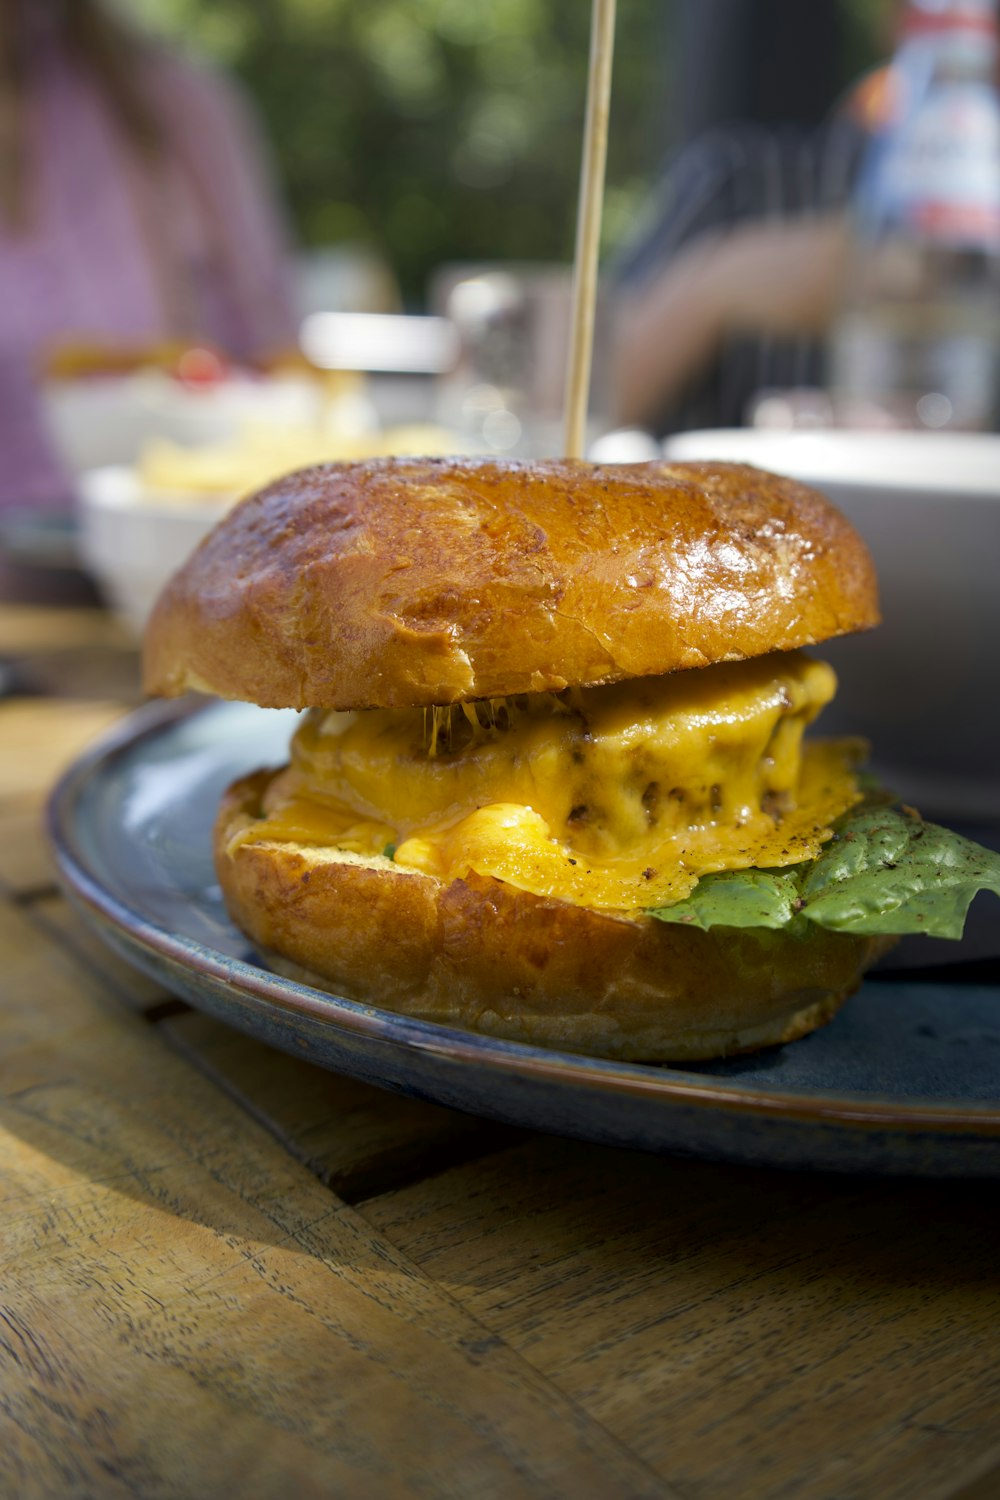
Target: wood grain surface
(26, 866)
(185, 1309)
(39, 737)
(790, 1305)
(224, 1271)
(358, 1139)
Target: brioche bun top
(405, 582)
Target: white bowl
(107, 419)
(925, 686)
(132, 544)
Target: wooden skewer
(588, 224)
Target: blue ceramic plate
(906, 1079)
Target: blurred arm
(777, 278)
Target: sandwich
(552, 780)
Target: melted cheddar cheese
(615, 797)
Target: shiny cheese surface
(617, 797)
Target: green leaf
(737, 898)
(885, 871)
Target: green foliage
(438, 130)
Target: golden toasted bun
(479, 954)
(407, 582)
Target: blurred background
(238, 237)
(423, 132)
(279, 223)
(241, 236)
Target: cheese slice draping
(615, 797)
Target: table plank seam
(165, 1010)
(359, 1185)
(29, 895)
(65, 943)
(435, 1161)
(983, 1485)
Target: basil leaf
(737, 898)
(885, 871)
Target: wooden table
(225, 1272)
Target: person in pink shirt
(136, 208)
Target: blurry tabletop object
(916, 342)
(225, 1270)
(104, 405)
(862, 255)
(506, 387)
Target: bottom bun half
(480, 954)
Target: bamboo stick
(588, 225)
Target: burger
(551, 781)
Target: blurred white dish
(98, 420)
(966, 463)
(131, 544)
(925, 687)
